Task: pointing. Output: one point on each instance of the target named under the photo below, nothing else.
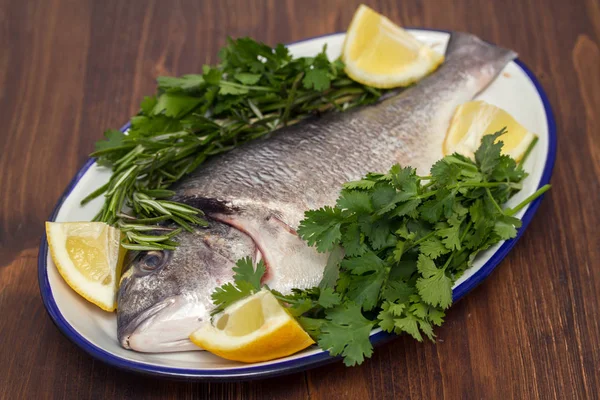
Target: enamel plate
(95, 331)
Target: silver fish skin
(257, 194)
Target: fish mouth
(164, 327)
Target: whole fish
(256, 195)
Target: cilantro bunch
(398, 242)
(253, 91)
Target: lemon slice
(254, 329)
(379, 53)
(88, 256)
(474, 119)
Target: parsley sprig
(245, 283)
(397, 243)
(255, 90)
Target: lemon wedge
(474, 119)
(254, 329)
(88, 256)
(379, 53)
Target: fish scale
(256, 195)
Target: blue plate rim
(290, 366)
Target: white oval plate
(95, 331)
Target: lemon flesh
(379, 53)
(254, 329)
(88, 256)
(474, 119)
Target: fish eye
(152, 260)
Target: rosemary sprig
(255, 90)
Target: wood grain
(70, 69)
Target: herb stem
(416, 242)
(247, 87)
(291, 97)
(528, 151)
(462, 238)
(428, 185)
(489, 193)
(95, 194)
(426, 195)
(512, 185)
(528, 200)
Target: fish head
(165, 295)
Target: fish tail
(461, 42)
(482, 59)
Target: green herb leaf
(346, 332)
(368, 262)
(446, 173)
(247, 78)
(432, 210)
(433, 247)
(174, 84)
(487, 155)
(229, 293)
(434, 286)
(506, 227)
(247, 282)
(321, 228)
(233, 90)
(398, 291)
(317, 79)
(245, 272)
(353, 241)
(332, 269)
(175, 105)
(328, 298)
(451, 235)
(364, 290)
(363, 184)
(114, 139)
(355, 202)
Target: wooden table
(70, 69)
